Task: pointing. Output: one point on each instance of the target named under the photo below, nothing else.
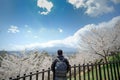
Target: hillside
(24, 63)
(13, 65)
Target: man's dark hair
(60, 52)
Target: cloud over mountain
(71, 41)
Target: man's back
(60, 66)
(57, 60)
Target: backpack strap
(61, 60)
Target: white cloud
(68, 42)
(77, 3)
(93, 7)
(60, 30)
(40, 45)
(13, 29)
(116, 1)
(46, 5)
(71, 41)
(98, 7)
(111, 23)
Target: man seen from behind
(60, 67)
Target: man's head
(60, 52)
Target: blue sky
(45, 23)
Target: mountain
(53, 50)
(49, 50)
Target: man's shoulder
(66, 59)
(60, 58)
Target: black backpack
(60, 68)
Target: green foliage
(115, 57)
(111, 66)
(45, 53)
(2, 54)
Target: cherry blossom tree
(12, 65)
(100, 39)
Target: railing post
(30, 75)
(70, 73)
(88, 71)
(74, 72)
(10, 78)
(114, 68)
(79, 72)
(92, 71)
(84, 72)
(43, 74)
(24, 76)
(96, 71)
(37, 75)
(100, 74)
(104, 71)
(108, 70)
(48, 73)
(17, 77)
(111, 70)
(117, 66)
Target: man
(60, 66)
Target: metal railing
(97, 71)
(90, 71)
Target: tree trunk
(105, 58)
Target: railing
(90, 71)
(44, 74)
(97, 71)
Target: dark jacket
(61, 58)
